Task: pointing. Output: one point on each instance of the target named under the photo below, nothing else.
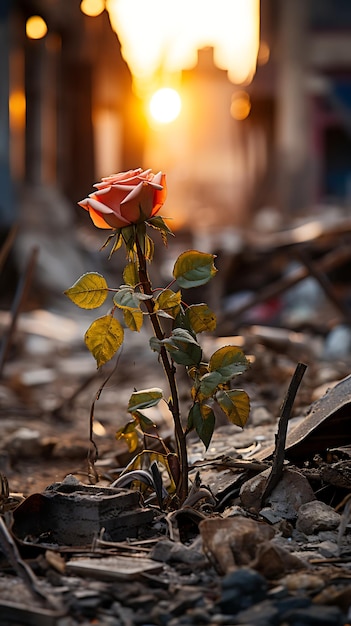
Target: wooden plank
(113, 568)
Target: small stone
(315, 615)
(260, 415)
(24, 442)
(316, 516)
(328, 549)
(261, 614)
(168, 551)
(161, 551)
(291, 603)
(241, 589)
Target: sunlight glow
(165, 105)
(36, 27)
(163, 36)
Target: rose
(126, 198)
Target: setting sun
(165, 105)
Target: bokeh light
(92, 8)
(240, 106)
(36, 27)
(263, 53)
(165, 105)
(17, 109)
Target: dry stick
(7, 245)
(278, 457)
(20, 296)
(330, 261)
(182, 488)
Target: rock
(285, 501)
(232, 542)
(260, 415)
(241, 589)
(314, 615)
(169, 551)
(272, 560)
(25, 443)
(316, 516)
(262, 614)
(328, 549)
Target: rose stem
(182, 488)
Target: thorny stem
(180, 436)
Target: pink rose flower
(126, 198)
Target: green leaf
(144, 399)
(209, 383)
(183, 348)
(129, 233)
(130, 274)
(169, 302)
(103, 338)
(89, 291)
(201, 318)
(228, 361)
(235, 404)
(193, 268)
(155, 344)
(203, 420)
(133, 318)
(126, 298)
(144, 422)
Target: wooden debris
(114, 567)
(278, 457)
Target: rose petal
(124, 178)
(139, 202)
(98, 220)
(115, 220)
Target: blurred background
(246, 106)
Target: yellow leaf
(235, 404)
(89, 291)
(133, 319)
(228, 361)
(130, 274)
(103, 338)
(169, 302)
(201, 318)
(131, 439)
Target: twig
(93, 452)
(279, 452)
